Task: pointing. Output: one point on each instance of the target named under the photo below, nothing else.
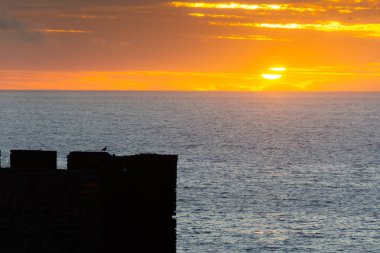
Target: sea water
(257, 172)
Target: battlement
(101, 203)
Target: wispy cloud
(128, 80)
(62, 31)
(337, 71)
(12, 27)
(202, 15)
(351, 17)
(249, 37)
(331, 26)
(358, 30)
(88, 16)
(346, 6)
(244, 6)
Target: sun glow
(271, 76)
(280, 69)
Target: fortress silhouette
(101, 203)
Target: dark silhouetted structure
(33, 160)
(101, 203)
(87, 160)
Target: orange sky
(327, 45)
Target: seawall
(101, 203)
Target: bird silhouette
(104, 149)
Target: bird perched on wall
(104, 149)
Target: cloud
(355, 18)
(358, 30)
(249, 37)
(11, 27)
(202, 15)
(87, 16)
(62, 31)
(242, 6)
(74, 4)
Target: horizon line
(203, 91)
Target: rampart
(101, 203)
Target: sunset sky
(304, 45)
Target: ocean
(257, 172)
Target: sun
(271, 76)
(274, 73)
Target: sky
(299, 45)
